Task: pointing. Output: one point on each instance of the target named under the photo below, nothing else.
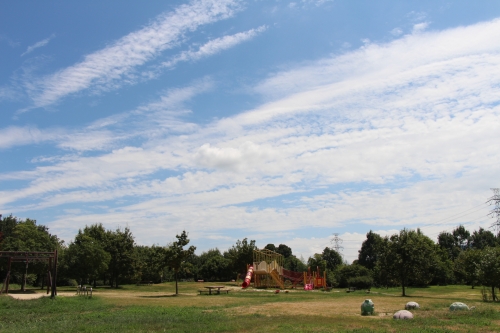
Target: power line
(457, 216)
(465, 223)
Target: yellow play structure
(267, 272)
(268, 269)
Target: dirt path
(38, 295)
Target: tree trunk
(176, 287)
(403, 282)
(493, 296)
(23, 283)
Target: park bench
(351, 289)
(206, 292)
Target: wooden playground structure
(30, 256)
(267, 272)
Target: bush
(360, 282)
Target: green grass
(154, 309)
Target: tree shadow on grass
(28, 291)
(159, 296)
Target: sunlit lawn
(154, 309)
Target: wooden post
(49, 279)
(8, 277)
(54, 278)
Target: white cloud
(396, 32)
(215, 46)
(419, 27)
(104, 67)
(15, 136)
(383, 137)
(229, 158)
(38, 45)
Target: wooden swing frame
(31, 256)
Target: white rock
(403, 314)
(412, 305)
(458, 306)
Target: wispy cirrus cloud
(18, 136)
(115, 62)
(407, 130)
(215, 46)
(38, 45)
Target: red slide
(248, 278)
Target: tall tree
(489, 269)
(481, 239)
(271, 247)
(332, 258)
(316, 261)
(367, 255)
(455, 242)
(150, 263)
(120, 245)
(284, 250)
(86, 259)
(214, 267)
(448, 243)
(240, 255)
(28, 236)
(413, 257)
(466, 266)
(7, 225)
(176, 255)
(462, 237)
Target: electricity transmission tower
(337, 241)
(495, 199)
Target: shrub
(360, 282)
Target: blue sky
(280, 121)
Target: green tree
(367, 255)
(240, 255)
(353, 275)
(284, 250)
(270, 247)
(413, 258)
(489, 269)
(317, 261)
(383, 272)
(292, 263)
(332, 258)
(466, 266)
(483, 238)
(28, 236)
(213, 266)
(86, 259)
(120, 245)
(462, 237)
(150, 262)
(7, 225)
(176, 255)
(455, 242)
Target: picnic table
(214, 287)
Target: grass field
(155, 309)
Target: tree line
(98, 256)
